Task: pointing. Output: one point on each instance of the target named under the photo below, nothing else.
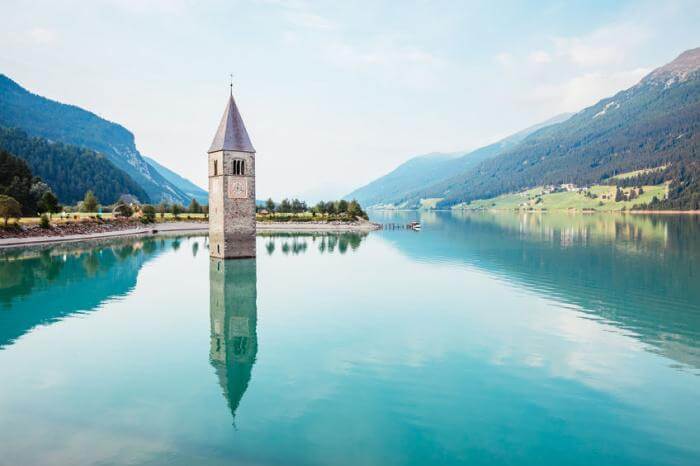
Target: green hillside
(72, 125)
(597, 197)
(70, 171)
(653, 124)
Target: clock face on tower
(237, 188)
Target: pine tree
(194, 207)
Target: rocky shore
(71, 228)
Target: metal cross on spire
(231, 83)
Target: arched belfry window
(216, 167)
(238, 167)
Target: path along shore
(189, 227)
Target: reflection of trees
(91, 263)
(298, 243)
(43, 284)
(233, 319)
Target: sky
(335, 94)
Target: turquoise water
(482, 339)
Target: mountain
(416, 171)
(398, 186)
(72, 125)
(183, 184)
(653, 124)
(70, 171)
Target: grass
(535, 199)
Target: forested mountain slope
(655, 123)
(70, 171)
(72, 125)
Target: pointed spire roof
(231, 134)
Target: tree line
(341, 207)
(21, 193)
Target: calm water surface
(483, 339)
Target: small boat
(414, 226)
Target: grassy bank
(537, 199)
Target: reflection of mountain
(41, 286)
(233, 314)
(639, 273)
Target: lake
(482, 339)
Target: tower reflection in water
(233, 317)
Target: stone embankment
(77, 231)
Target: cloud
(399, 61)
(300, 14)
(149, 6)
(41, 36)
(540, 57)
(309, 20)
(584, 90)
(504, 59)
(604, 46)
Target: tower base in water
(231, 246)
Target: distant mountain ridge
(418, 170)
(399, 186)
(186, 186)
(72, 125)
(653, 124)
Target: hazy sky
(334, 93)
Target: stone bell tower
(231, 188)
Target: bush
(123, 210)
(44, 221)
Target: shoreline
(570, 211)
(189, 227)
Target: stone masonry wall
(231, 206)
